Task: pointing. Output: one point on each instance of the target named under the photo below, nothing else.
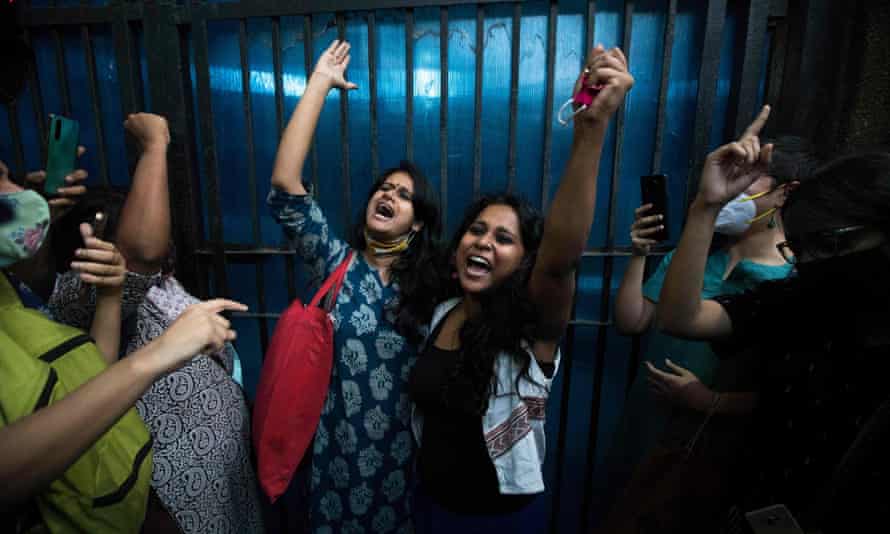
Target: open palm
(333, 63)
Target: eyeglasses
(819, 245)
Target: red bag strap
(333, 283)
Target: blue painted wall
(229, 125)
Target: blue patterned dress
(362, 451)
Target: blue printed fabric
(361, 457)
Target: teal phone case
(61, 152)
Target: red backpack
(293, 385)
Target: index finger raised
(218, 305)
(755, 127)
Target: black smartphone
(98, 224)
(775, 519)
(653, 190)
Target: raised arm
(568, 222)
(38, 448)
(297, 136)
(634, 313)
(143, 233)
(727, 172)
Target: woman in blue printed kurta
(361, 456)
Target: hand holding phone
(653, 190)
(61, 152)
(642, 230)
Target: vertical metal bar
(409, 83)
(749, 80)
(477, 91)
(344, 137)
(64, 90)
(514, 95)
(186, 124)
(552, 18)
(13, 117)
(252, 180)
(443, 114)
(208, 138)
(279, 125)
(372, 85)
(563, 412)
(590, 29)
(279, 80)
(570, 334)
(777, 62)
(307, 61)
(95, 98)
(666, 58)
(37, 103)
(608, 267)
(123, 52)
(707, 88)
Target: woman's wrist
(321, 80)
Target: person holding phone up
(677, 382)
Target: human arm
(681, 386)
(634, 313)
(143, 232)
(100, 264)
(568, 222)
(38, 448)
(727, 172)
(297, 136)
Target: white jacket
(513, 425)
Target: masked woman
(821, 337)
(677, 377)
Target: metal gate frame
(166, 23)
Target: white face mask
(735, 217)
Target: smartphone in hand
(61, 152)
(653, 190)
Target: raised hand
(732, 168)
(680, 386)
(608, 70)
(643, 227)
(149, 129)
(67, 196)
(332, 65)
(199, 329)
(99, 263)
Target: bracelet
(714, 403)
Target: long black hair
(850, 190)
(66, 236)
(507, 317)
(415, 269)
